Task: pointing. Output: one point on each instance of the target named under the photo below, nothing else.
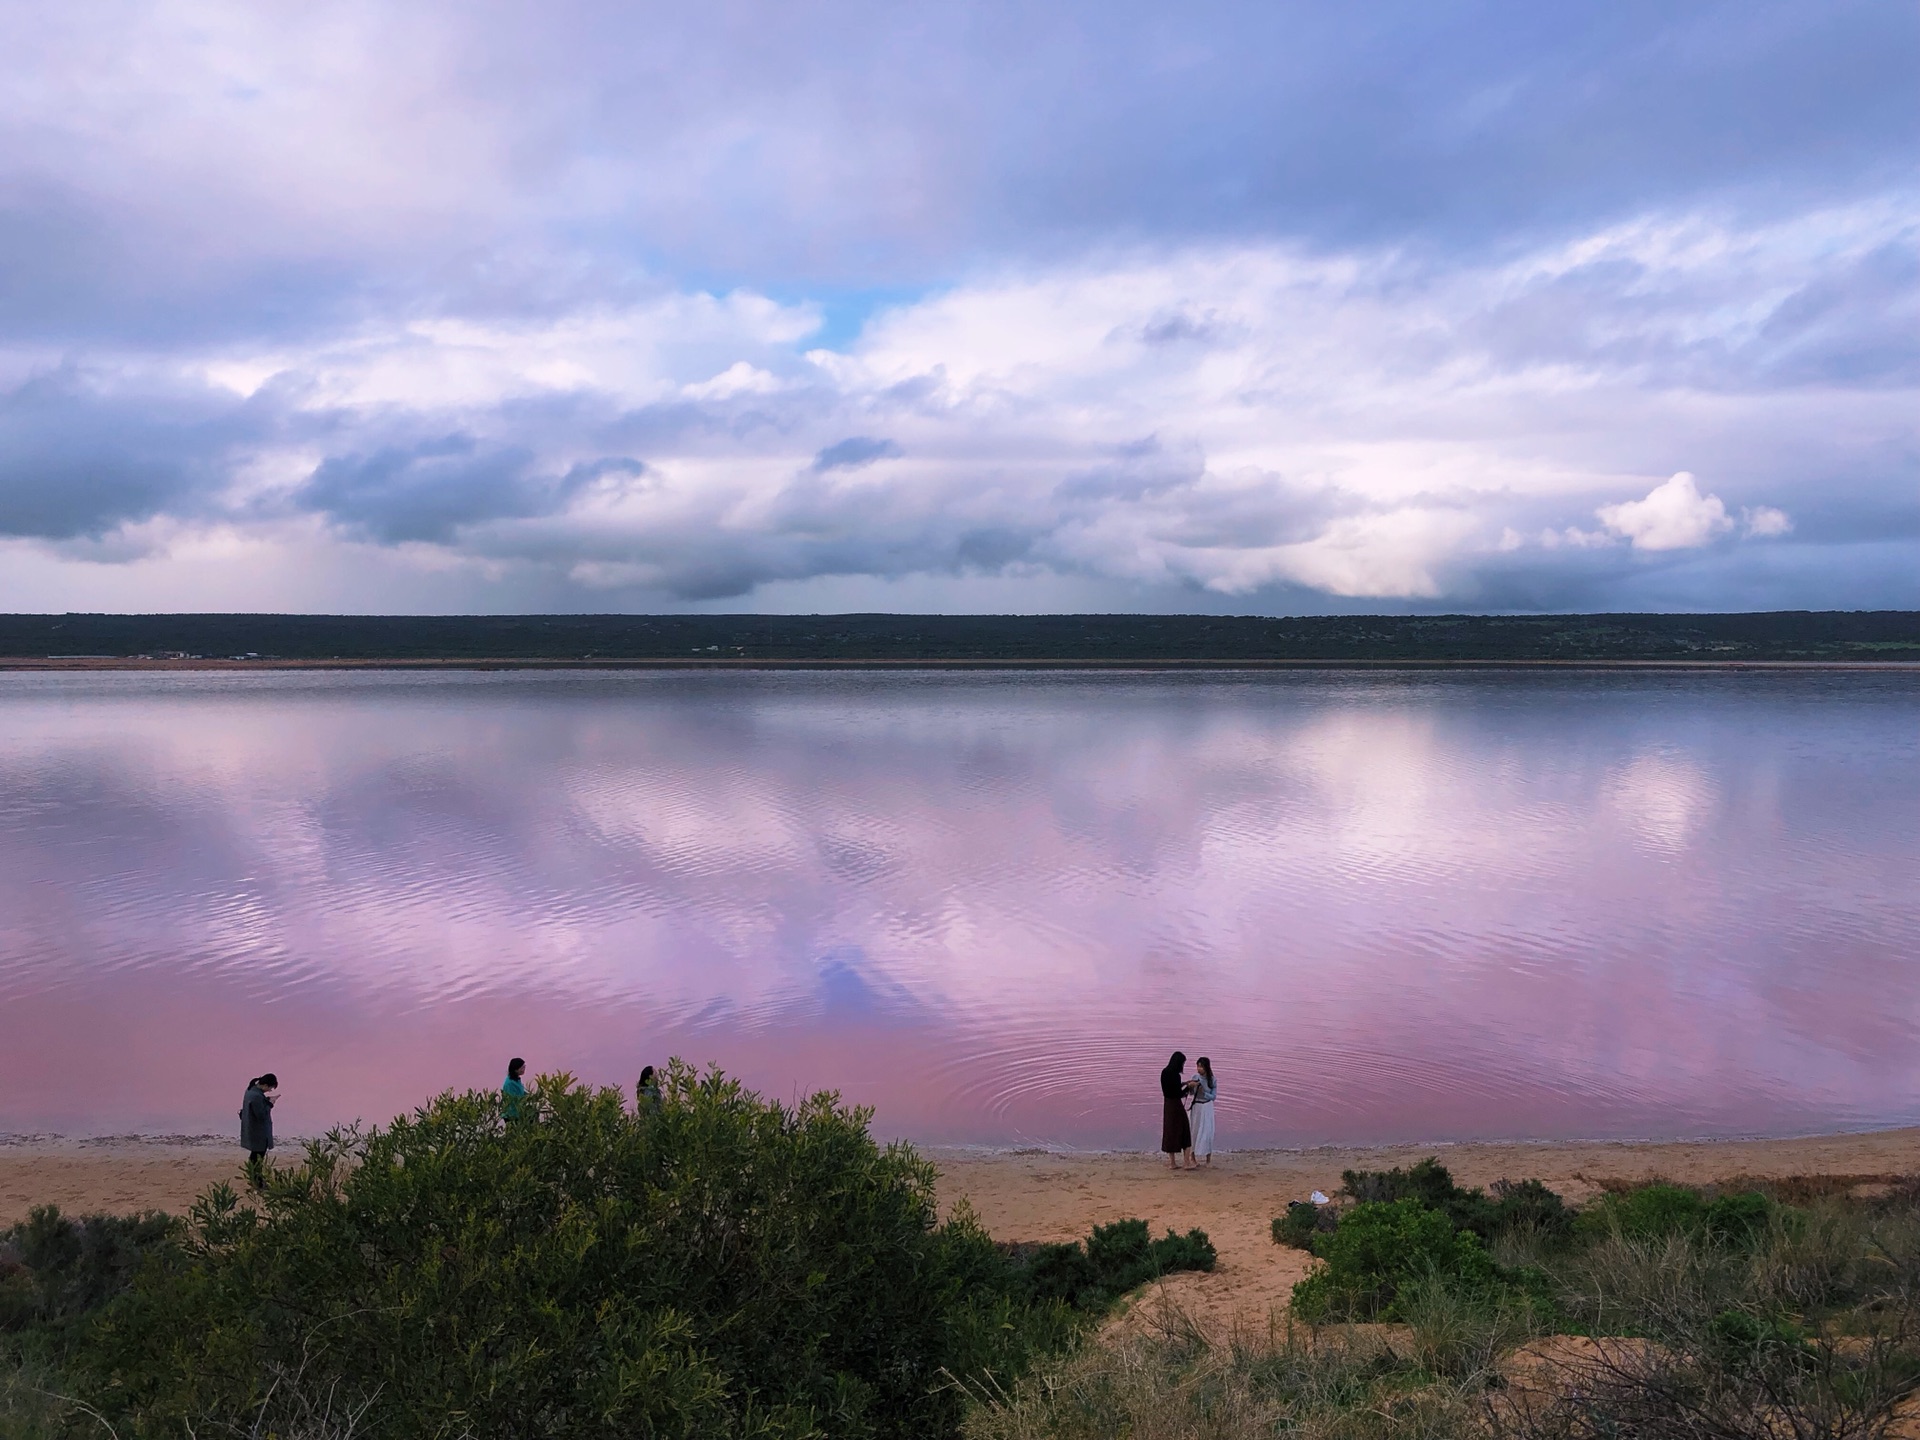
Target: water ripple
(1388, 906)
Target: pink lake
(1389, 906)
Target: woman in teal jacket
(514, 1090)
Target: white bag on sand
(1317, 1198)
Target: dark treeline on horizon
(1030, 639)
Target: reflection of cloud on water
(1663, 798)
(843, 992)
(1360, 892)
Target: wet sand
(1028, 1195)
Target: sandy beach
(1033, 1195)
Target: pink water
(1387, 906)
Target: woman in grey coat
(256, 1125)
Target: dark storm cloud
(425, 491)
(432, 489)
(81, 455)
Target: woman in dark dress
(1176, 1135)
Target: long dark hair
(1206, 1065)
(514, 1067)
(1177, 1060)
(268, 1081)
(646, 1073)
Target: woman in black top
(256, 1125)
(1176, 1135)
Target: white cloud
(1674, 516)
(1575, 538)
(1226, 421)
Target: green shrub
(1741, 1336)
(1380, 1247)
(1514, 1204)
(1651, 1212)
(1659, 1210)
(1302, 1222)
(54, 1269)
(1738, 1219)
(1527, 1205)
(717, 1266)
(1429, 1182)
(1116, 1258)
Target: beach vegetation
(1301, 1222)
(1512, 1204)
(56, 1269)
(1773, 1320)
(1113, 1260)
(1172, 1381)
(1380, 1248)
(716, 1265)
(1654, 1211)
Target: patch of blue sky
(845, 311)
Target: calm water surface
(1388, 906)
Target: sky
(1248, 308)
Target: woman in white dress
(1205, 1088)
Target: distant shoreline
(1866, 640)
(104, 664)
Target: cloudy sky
(1270, 307)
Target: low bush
(1302, 1222)
(55, 1269)
(1514, 1204)
(1379, 1248)
(1530, 1206)
(1116, 1258)
(1649, 1212)
(1429, 1182)
(715, 1266)
(1415, 1223)
(1656, 1211)
(1739, 1219)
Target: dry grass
(1812, 1333)
(295, 1408)
(1612, 1389)
(1170, 1383)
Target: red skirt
(1175, 1133)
